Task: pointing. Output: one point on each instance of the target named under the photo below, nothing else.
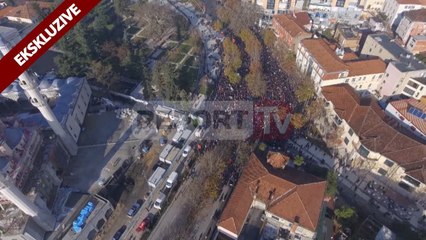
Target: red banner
(41, 38)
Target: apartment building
(404, 73)
(372, 5)
(291, 29)
(410, 114)
(378, 155)
(287, 199)
(393, 9)
(416, 44)
(347, 37)
(327, 65)
(271, 7)
(413, 23)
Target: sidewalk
(316, 153)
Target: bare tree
(155, 18)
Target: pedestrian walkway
(316, 153)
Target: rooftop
(25, 10)
(289, 194)
(418, 15)
(367, 119)
(389, 44)
(288, 23)
(403, 106)
(366, 67)
(324, 55)
(418, 2)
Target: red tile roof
(25, 10)
(418, 15)
(366, 67)
(418, 2)
(295, 194)
(367, 119)
(302, 18)
(287, 23)
(324, 55)
(403, 105)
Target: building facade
(416, 44)
(288, 30)
(413, 23)
(393, 9)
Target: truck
(171, 181)
(165, 152)
(156, 177)
(185, 136)
(172, 155)
(177, 136)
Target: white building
(69, 99)
(404, 73)
(328, 65)
(410, 114)
(393, 9)
(413, 23)
(376, 153)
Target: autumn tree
(102, 73)
(255, 81)
(239, 15)
(218, 25)
(269, 38)
(305, 91)
(252, 44)
(232, 61)
(297, 120)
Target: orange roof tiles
(367, 119)
(403, 105)
(366, 67)
(286, 193)
(25, 10)
(324, 55)
(289, 25)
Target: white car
(159, 202)
(186, 151)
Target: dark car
(163, 141)
(144, 224)
(145, 146)
(119, 233)
(134, 209)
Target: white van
(172, 180)
(186, 151)
(160, 200)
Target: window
(369, 85)
(270, 4)
(411, 180)
(276, 218)
(351, 132)
(413, 84)
(363, 151)
(389, 163)
(408, 91)
(346, 141)
(347, 80)
(382, 171)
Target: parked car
(146, 222)
(160, 200)
(145, 146)
(134, 209)
(186, 151)
(119, 233)
(163, 141)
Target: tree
(102, 73)
(243, 150)
(232, 61)
(344, 213)
(163, 80)
(40, 13)
(305, 91)
(252, 44)
(269, 38)
(121, 7)
(297, 120)
(298, 161)
(218, 25)
(239, 15)
(331, 184)
(255, 82)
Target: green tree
(298, 161)
(331, 184)
(163, 81)
(344, 213)
(38, 10)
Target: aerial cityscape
(217, 119)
